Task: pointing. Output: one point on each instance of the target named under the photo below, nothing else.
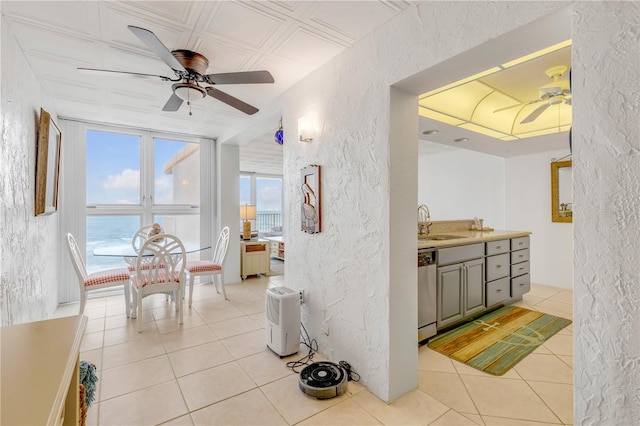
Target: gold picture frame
(561, 193)
(47, 165)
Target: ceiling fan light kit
(189, 92)
(190, 71)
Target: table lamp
(247, 213)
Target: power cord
(312, 344)
(350, 373)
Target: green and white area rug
(497, 341)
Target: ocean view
(108, 231)
(114, 231)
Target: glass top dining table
(129, 254)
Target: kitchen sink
(443, 237)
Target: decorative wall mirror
(561, 191)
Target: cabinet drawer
(519, 269)
(520, 256)
(519, 243)
(520, 285)
(460, 253)
(497, 291)
(497, 266)
(255, 247)
(497, 247)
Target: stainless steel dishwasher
(427, 294)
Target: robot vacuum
(323, 380)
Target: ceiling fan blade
(156, 46)
(173, 104)
(517, 105)
(231, 101)
(135, 74)
(535, 114)
(242, 77)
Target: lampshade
(248, 212)
(189, 92)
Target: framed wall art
(310, 189)
(47, 165)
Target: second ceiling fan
(189, 68)
(554, 93)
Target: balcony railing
(265, 222)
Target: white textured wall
(227, 202)
(348, 270)
(462, 184)
(528, 207)
(606, 170)
(29, 244)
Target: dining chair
(159, 269)
(213, 267)
(137, 241)
(140, 237)
(97, 280)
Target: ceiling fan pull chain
(188, 101)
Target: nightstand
(254, 258)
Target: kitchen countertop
(469, 237)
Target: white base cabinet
(254, 258)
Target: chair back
(76, 258)
(140, 237)
(220, 253)
(162, 259)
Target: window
(113, 168)
(265, 192)
(268, 203)
(133, 180)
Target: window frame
(146, 209)
(253, 189)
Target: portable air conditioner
(283, 320)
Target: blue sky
(268, 193)
(113, 172)
(113, 168)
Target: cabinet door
(474, 296)
(450, 294)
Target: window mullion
(146, 177)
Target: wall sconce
(247, 213)
(306, 129)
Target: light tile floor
(216, 369)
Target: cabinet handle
(520, 243)
(520, 269)
(499, 290)
(521, 256)
(521, 284)
(498, 266)
(498, 247)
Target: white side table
(254, 258)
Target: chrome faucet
(424, 220)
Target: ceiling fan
(190, 68)
(553, 93)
